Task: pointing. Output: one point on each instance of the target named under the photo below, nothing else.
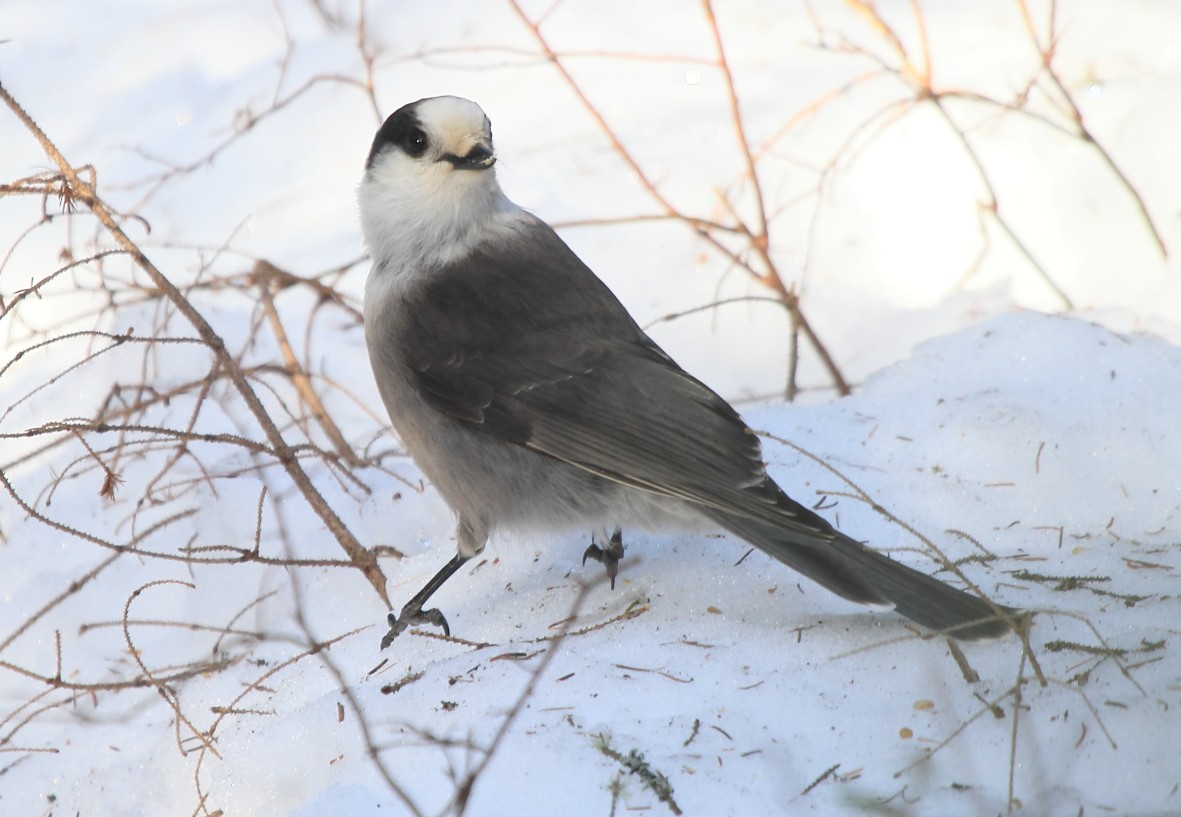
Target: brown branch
(919, 81)
(760, 238)
(84, 192)
(768, 277)
(263, 273)
(1047, 51)
(161, 686)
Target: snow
(1036, 443)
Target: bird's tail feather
(855, 572)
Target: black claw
(412, 615)
(609, 557)
(435, 616)
(599, 555)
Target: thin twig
(84, 192)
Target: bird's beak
(480, 157)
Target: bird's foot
(608, 556)
(413, 614)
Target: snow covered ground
(1036, 443)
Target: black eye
(414, 142)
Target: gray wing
(522, 341)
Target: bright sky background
(1035, 438)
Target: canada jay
(533, 401)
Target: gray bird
(532, 401)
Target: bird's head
(432, 137)
(429, 183)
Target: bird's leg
(609, 556)
(413, 613)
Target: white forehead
(452, 117)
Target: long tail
(853, 571)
